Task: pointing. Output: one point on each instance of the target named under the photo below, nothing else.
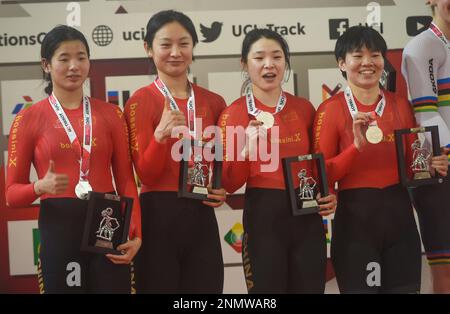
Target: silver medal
(82, 189)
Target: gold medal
(266, 118)
(374, 135)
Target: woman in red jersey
(73, 142)
(181, 251)
(375, 246)
(281, 253)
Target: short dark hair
(162, 18)
(53, 40)
(355, 38)
(258, 33)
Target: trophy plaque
(421, 156)
(107, 223)
(303, 199)
(196, 172)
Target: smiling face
(363, 67)
(69, 66)
(266, 64)
(172, 50)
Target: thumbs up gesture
(169, 120)
(52, 182)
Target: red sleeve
(19, 190)
(141, 113)
(326, 140)
(234, 172)
(122, 169)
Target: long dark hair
(53, 40)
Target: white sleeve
(421, 60)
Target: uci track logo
(210, 34)
(102, 35)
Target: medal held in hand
(425, 145)
(296, 170)
(374, 135)
(266, 118)
(197, 171)
(107, 223)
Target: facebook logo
(337, 27)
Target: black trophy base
(306, 208)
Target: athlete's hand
(327, 204)
(52, 182)
(445, 150)
(439, 164)
(128, 249)
(360, 123)
(169, 120)
(253, 130)
(215, 194)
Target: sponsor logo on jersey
(431, 73)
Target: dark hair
(162, 18)
(355, 38)
(53, 40)
(258, 33)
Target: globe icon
(102, 35)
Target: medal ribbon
(173, 104)
(351, 104)
(84, 152)
(251, 105)
(436, 31)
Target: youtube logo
(417, 24)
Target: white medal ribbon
(173, 104)
(438, 33)
(373, 134)
(251, 105)
(83, 186)
(351, 103)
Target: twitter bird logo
(211, 33)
